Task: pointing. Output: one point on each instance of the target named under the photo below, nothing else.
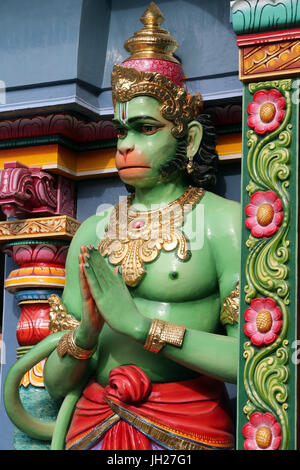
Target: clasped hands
(106, 299)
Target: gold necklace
(133, 238)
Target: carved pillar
(269, 70)
(38, 247)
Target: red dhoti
(130, 413)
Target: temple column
(38, 247)
(268, 37)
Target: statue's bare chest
(134, 240)
(169, 279)
(163, 261)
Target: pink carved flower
(262, 432)
(263, 321)
(264, 214)
(266, 111)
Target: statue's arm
(61, 375)
(215, 354)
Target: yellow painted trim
(270, 75)
(91, 163)
(229, 145)
(92, 160)
(12, 285)
(31, 156)
(35, 280)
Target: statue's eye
(121, 132)
(147, 129)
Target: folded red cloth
(130, 411)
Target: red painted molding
(63, 124)
(268, 37)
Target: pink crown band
(167, 68)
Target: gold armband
(67, 345)
(162, 333)
(231, 304)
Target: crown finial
(152, 16)
(152, 41)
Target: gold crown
(152, 41)
(177, 105)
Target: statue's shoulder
(92, 229)
(221, 214)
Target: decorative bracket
(30, 192)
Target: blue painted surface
(215, 88)
(66, 61)
(93, 35)
(94, 193)
(207, 43)
(39, 41)
(37, 294)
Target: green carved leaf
(249, 16)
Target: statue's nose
(125, 150)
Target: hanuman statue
(146, 332)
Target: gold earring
(190, 166)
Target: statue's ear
(195, 133)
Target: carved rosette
(269, 231)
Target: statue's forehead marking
(123, 112)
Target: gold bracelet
(67, 345)
(162, 333)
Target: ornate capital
(28, 191)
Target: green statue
(151, 285)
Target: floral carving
(60, 227)
(263, 321)
(266, 111)
(262, 432)
(264, 214)
(269, 273)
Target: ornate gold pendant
(133, 238)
